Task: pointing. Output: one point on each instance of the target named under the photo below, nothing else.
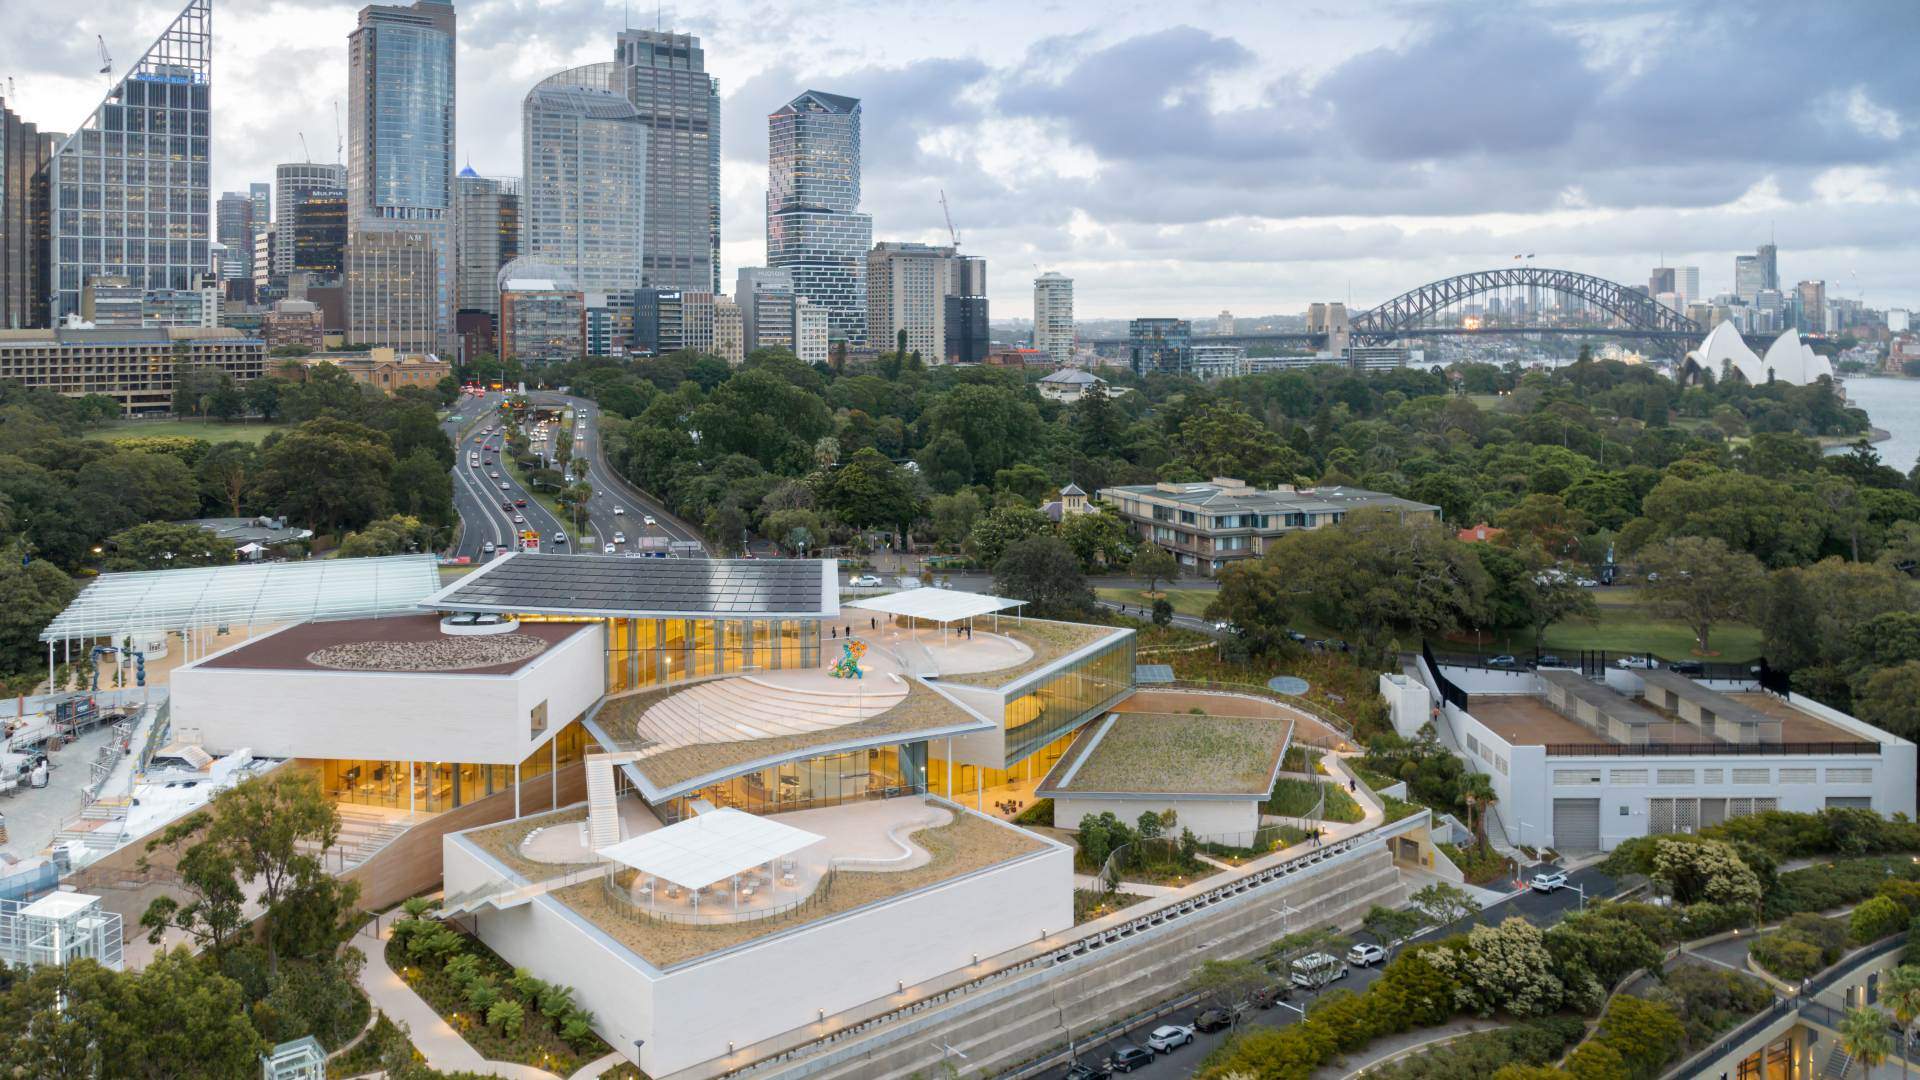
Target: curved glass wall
(1052, 704)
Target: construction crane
(951, 231)
(106, 62)
(304, 152)
(339, 142)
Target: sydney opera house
(1726, 355)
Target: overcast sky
(1177, 158)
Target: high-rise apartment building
(392, 278)
(23, 150)
(486, 238)
(583, 200)
(1223, 323)
(907, 287)
(679, 103)
(815, 229)
(129, 192)
(293, 182)
(233, 227)
(1160, 346)
(1053, 316)
(1748, 277)
(811, 331)
(400, 133)
(1812, 302)
(1769, 257)
(729, 333)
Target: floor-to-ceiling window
(1048, 707)
(879, 772)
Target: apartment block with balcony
(1208, 526)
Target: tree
(1162, 611)
(1391, 927)
(953, 516)
(1153, 564)
(1900, 993)
(1863, 1034)
(798, 531)
(1099, 539)
(1226, 983)
(1224, 440)
(228, 473)
(423, 488)
(1697, 870)
(331, 474)
(1444, 904)
(1553, 595)
(1501, 967)
(396, 535)
(1700, 582)
(162, 545)
(1890, 700)
(870, 491)
(1646, 1034)
(1042, 571)
(32, 592)
(1002, 527)
(124, 488)
(1476, 790)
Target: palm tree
(1901, 992)
(1477, 790)
(1863, 1035)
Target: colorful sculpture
(848, 666)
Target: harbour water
(1892, 405)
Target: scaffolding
(59, 928)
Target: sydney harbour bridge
(1519, 301)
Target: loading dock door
(1576, 824)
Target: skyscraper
(966, 310)
(1769, 265)
(261, 196)
(1160, 345)
(1053, 316)
(1748, 277)
(129, 194)
(391, 278)
(234, 228)
(319, 234)
(1812, 302)
(1661, 281)
(23, 150)
(292, 182)
(907, 286)
(487, 237)
(679, 103)
(400, 125)
(583, 200)
(1686, 282)
(814, 227)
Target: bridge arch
(1404, 313)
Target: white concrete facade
(396, 716)
(692, 1012)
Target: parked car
(865, 581)
(1214, 1019)
(1687, 667)
(1316, 970)
(1129, 1058)
(1549, 660)
(1503, 660)
(1636, 663)
(1270, 995)
(1081, 1070)
(1365, 954)
(1586, 583)
(1167, 1037)
(1296, 636)
(1548, 880)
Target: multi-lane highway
(487, 504)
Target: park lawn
(1624, 627)
(1185, 601)
(214, 431)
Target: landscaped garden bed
(1295, 798)
(1091, 904)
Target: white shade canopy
(712, 847)
(935, 605)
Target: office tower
(1769, 257)
(400, 124)
(1661, 281)
(907, 286)
(234, 229)
(23, 150)
(811, 331)
(1812, 297)
(1162, 346)
(659, 322)
(261, 195)
(486, 238)
(696, 321)
(129, 193)
(729, 335)
(392, 280)
(679, 102)
(814, 226)
(966, 310)
(1053, 316)
(1223, 323)
(1686, 283)
(583, 199)
(543, 314)
(319, 239)
(291, 183)
(264, 246)
(1748, 277)
(757, 283)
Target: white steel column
(516, 789)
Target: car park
(1547, 881)
(1365, 954)
(1167, 1037)
(1129, 1058)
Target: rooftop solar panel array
(591, 585)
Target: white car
(1548, 881)
(1167, 1036)
(486, 548)
(559, 538)
(608, 549)
(1365, 955)
(865, 581)
(1641, 663)
(619, 538)
(619, 511)
(648, 521)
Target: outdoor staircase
(1839, 1063)
(363, 833)
(603, 818)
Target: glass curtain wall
(1041, 711)
(968, 779)
(443, 785)
(653, 652)
(881, 772)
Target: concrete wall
(1492, 681)
(780, 982)
(1409, 702)
(394, 716)
(1221, 819)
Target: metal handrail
(1311, 708)
(1708, 749)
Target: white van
(1315, 970)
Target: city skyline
(1317, 160)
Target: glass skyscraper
(814, 226)
(400, 132)
(584, 193)
(679, 103)
(292, 182)
(487, 237)
(129, 194)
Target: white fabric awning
(934, 605)
(712, 847)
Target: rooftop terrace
(1172, 753)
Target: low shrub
(1040, 813)
(1802, 945)
(1410, 993)
(1709, 1000)
(1536, 1042)
(1480, 863)
(1876, 918)
(1646, 1034)
(1835, 885)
